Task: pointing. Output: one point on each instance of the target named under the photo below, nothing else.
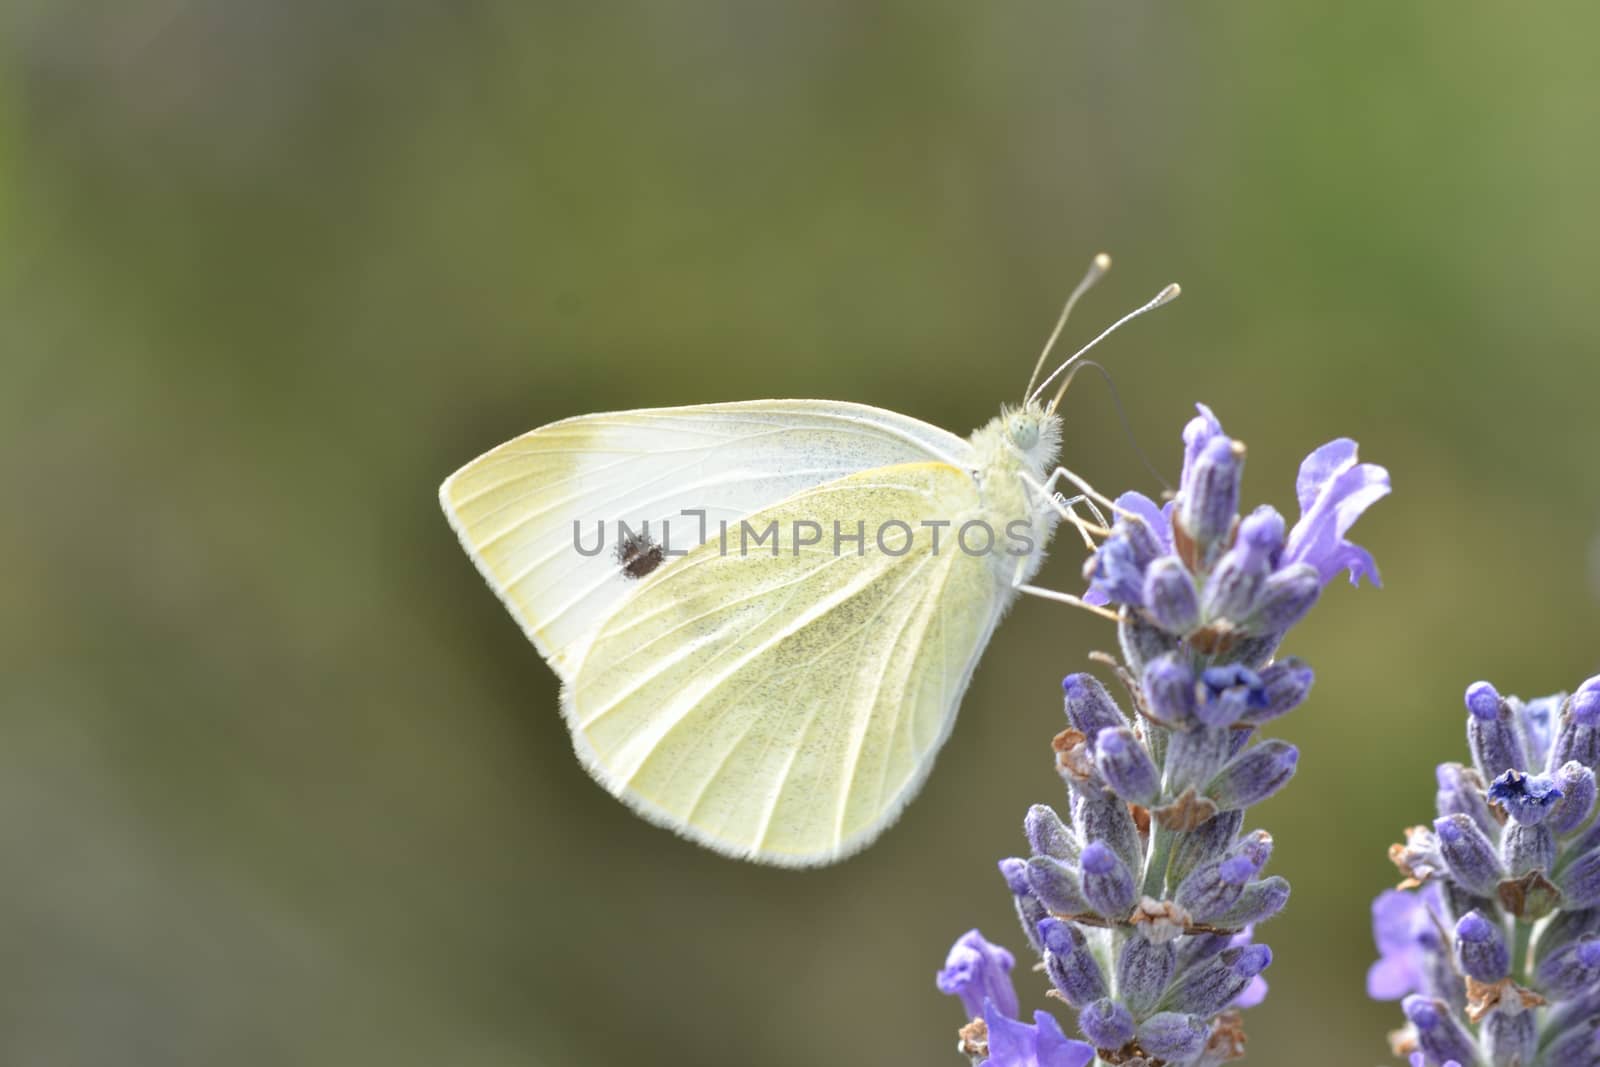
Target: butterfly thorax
(1017, 446)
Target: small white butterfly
(773, 649)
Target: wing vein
(778, 787)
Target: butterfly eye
(1024, 432)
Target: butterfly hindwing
(785, 707)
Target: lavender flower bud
(1287, 596)
(1235, 585)
(1572, 970)
(1484, 701)
(1142, 641)
(1195, 756)
(1070, 964)
(1259, 902)
(1577, 1015)
(1114, 571)
(1481, 948)
(1576, 1044)
(1578, 737)
(1492, 736)
(1580, 883)
(1206, 843)
(1263, 531)
(1525, 848)
(1256, 846)
(1577, 785)
(1048, 835)
(1143, 971)
(977, 971)
(1260, 772)
(1566, 928)
(1254, 650)
(1146, 546)
(1510, 1037)
(1029, 910)
(1209, 503)
(1197, 433)
(1106, 1024)
(1056, 886)
(1586, 701)
(1461, 793)
(1015, 872)
(1527, 798)
(1103, 818)
(1090, 708)
(1169, 691)
(1174, 1038)
(1589, 839)
(1536, 721)
(1169, 596)
(1197, 948)
(1212, 986)
(1228, 692)
(1107, 882)
(1438, 1034)
(1286, 685)
(1126, 766)
(1468, 855)
(1214, 888)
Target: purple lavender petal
(978, 971)
(1398, 971)
(1155, 517)
(1321, 467)
(1196, 435)
(1334, 490)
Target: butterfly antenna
(1166, 296)
(1122, 414)
(1097, 270)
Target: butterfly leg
(1066, 598)
(1056, 595)
(1064, 505)
(1062, 473)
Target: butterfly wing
(784, 708)
(520, 509)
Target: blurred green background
(279, 780)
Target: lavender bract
(1141, 893)
(1492, 942)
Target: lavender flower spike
(1493, 940)
(1141, 894)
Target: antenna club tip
(1102, 262)
(1168, 295)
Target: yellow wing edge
(529, 630)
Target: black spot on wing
(638, 555)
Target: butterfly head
(1034, 432)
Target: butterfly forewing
(523, 509)
(785, 707)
